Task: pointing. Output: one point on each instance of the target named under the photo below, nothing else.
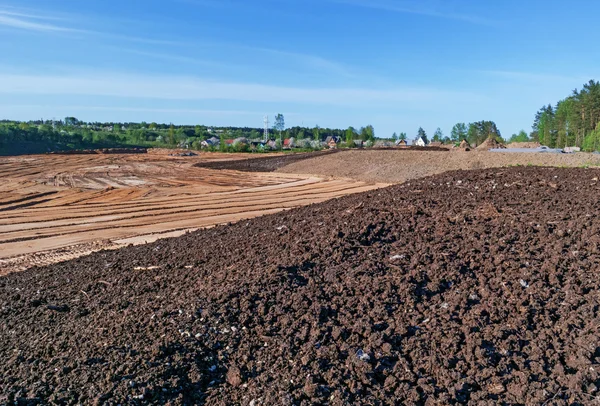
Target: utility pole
(266, 132)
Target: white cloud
(313, 61)
(191, 88)
(11, 20)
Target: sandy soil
(58, 207)
(401, 165)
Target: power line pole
(266, 132)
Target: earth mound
(464, 145)
(264, 164)
(524, 145)
(476, 287)
(490, 143)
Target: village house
(332, 142)
(289, 143)
(401, 143)
(419, 142)
(211, 142)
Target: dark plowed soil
(263, 164)
(463, 288)
(413, 148)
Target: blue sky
(395, 64)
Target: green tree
(200, 132)
(481, 130)
(591, 142)
(438, 135)
(279, 122)
(279, 126)
(350, 137)
(316, 133)
(394, 137)
(367, 133)
(402, 136)
(459, 132)
(520, 137)
(171, 135)
(222, 143)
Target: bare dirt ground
(59, 207)
(466, 288)
(393, 166)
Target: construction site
(397, 276)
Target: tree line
(573, 121)
(39, 136)
(475, 133)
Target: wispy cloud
(313, 61)
(25, 14)
(22, 21)
(30, 21)
(192, 88)
(172, 58)
(425, 8)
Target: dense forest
(69, 134)
(573, 121)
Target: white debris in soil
(395, 257)
(281, 228)
(145, 268)
(363, 356)
(524, 284)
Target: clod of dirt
(234, 376)
(60, 309)
(321, 314)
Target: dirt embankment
(464, 288)
(265, 163)
(394, 166)
(523, 145)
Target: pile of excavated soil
(475, 287)
(490, 143)
(264, 164)
(464, 145)
(524, 145)
(401, 165)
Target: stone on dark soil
(296, 313)
(234, 376)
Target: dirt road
(57, 207)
